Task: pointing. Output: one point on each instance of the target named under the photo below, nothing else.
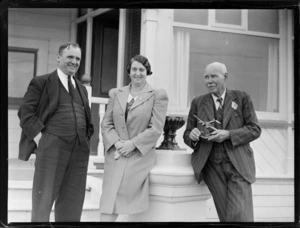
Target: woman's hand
(127, 148)
(118, 145)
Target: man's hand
(127, 147)
(195, 134)
(219, 136)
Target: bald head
(215, 78)
(221, 67)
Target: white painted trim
(289, 163)
(290, 67)
(74, 12)
(180, 111)
(121, 47)
(282, 64)
(88, 50)
(91, 13)
(99, 100)
(208, 28)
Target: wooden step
(19, 200)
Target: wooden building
(256, 45)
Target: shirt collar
(215, 97)
(64, 78)
(61, 74)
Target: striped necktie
(220, 110)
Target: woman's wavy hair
(141, 59)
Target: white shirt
(217, 104)
(130, 97)
(64, 79)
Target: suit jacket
(39, 104)
(239, 119)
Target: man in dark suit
(223, 158)
(56, 105)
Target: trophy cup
(206, 127)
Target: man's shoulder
(44, 77)
(201, 97)
(238, 93)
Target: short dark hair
(67, 45)
(141, 59)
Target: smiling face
(215, 78)
(69, 60)
(138, 73)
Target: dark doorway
(104, 63)
(105, 53)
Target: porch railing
(98, 107)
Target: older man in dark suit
(223, 157)
(56, 105)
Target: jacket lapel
(143, 96)
(52, 89)
(228, 110)
(122, 96)
(82, 95)
(208, 107)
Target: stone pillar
(175, 195)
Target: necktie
(128, 107)
(70, 87)
(220, 99)
(220, 111)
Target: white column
(88, 46)
(175, 195)
(162, 73)
(121, 47)
(148, 37)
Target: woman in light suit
(131, 126)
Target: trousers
(231, 193)
(60, 177)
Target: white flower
(234, 105)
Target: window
(21, 69)
(192, 16)
(251, 63)
(270, 19)
(246, 41)
(230, 17)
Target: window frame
(15, 102)
(243, 26)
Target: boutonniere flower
(234, 105)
